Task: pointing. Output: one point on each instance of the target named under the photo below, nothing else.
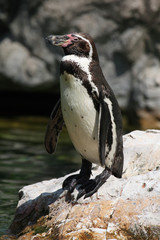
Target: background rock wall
(126, 33)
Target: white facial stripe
(111, 154)
(91, 49)
(83, 63)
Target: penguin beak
(58, 40)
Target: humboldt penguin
(90, 111)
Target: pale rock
(146, 86)
(124, 32)
(127, 208)
(142, 157)
(18, 64)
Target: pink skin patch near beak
(69, 41)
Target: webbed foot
(92, 186)
(72, 181)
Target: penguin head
(79, 44)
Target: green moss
(40, 229)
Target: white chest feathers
(80, 117)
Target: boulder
(19, 65)
(127, 208)
(126, 34)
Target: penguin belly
(80, 117)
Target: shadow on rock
(30, 211)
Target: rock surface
(127, 38)
(127, 208)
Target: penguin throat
(83, 64)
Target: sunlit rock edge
(127, 208)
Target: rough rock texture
(126, 34)
(20, 66)
(127, 208)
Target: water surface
(24, 160)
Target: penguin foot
(71, 182)
(92, 186)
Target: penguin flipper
(117, 168)
(105, 133)
(54, 127)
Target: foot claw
(80, 194)
(92, 186)
(72, 181)
(88, 187)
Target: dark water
(24, 160)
